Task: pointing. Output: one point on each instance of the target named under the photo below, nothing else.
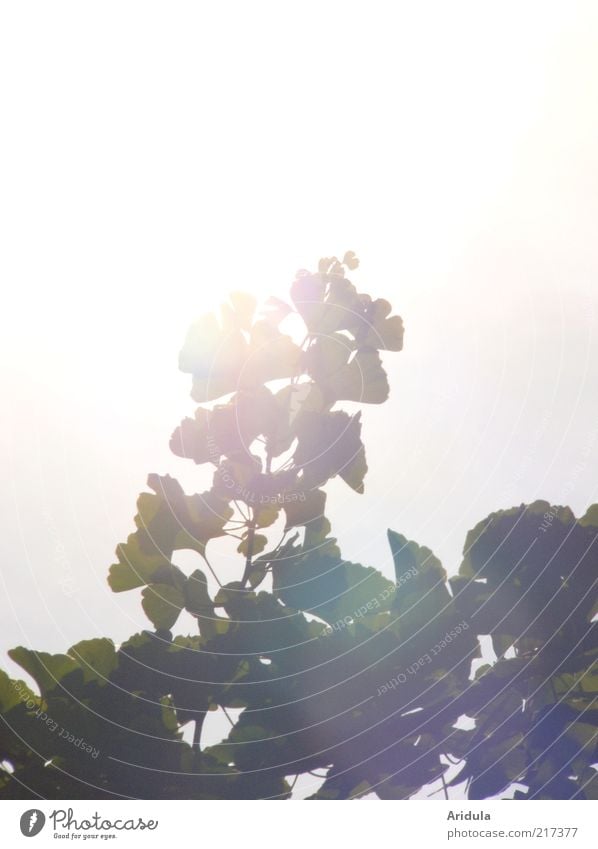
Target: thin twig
(444, 787)
(209, 565)
(236, 503)
(197, 731)
(228, 717)
(250, 539)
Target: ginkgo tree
(368, 684)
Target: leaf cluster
(323, 666)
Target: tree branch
(248, 559)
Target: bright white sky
(157, 154)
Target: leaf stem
(250, 539)
(444, 787)
(227, 716)
(209, 565)
(197, 730)
(236, 503)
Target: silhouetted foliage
(337, 668)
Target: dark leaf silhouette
(377, 681)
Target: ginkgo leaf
(325, 301)
(228, 429)
(97, 658)
(256, 571)
(303, 508)
(167, 521)
(374, 327)
(590, 517)
(47, 670)
(327, 586)
(307, 293)
(276, 310)
(191, 439)
(326, 263)
(415, 564)
(327, 355)
(183, 521)
(266, 514)
(354, 471)
(330, 303)
(292, 403)
(213, 358)
(330, 444)
(350, 260)
(222, 360)
(244, 306)
(197, 598)
(258, 544)
(14, 693)
(272, 355)
(363, 379)
(135, 567)
(199, 604)
(534, 574)
(340, 305)
(162, 604)
(233, 427)
(317, 538)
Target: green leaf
(222, 360)
(228, 429)
(330, 444)
(327, 355)
(362, 380)
(414, 563)
(13, 693)
(265, 515)
(97, 658)
(213, 356)
(534, 571)
(258, 544)
(317, 538)
(590, 517)
(136, 568)
(272, 356)
(328, 303)
(304, 508)
(47, 670)
(197, 598)
(167, 521)
(191, 439)
(257, 573)
(162, 604)
(373, 328)
(328, 586)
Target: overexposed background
(155, 155)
